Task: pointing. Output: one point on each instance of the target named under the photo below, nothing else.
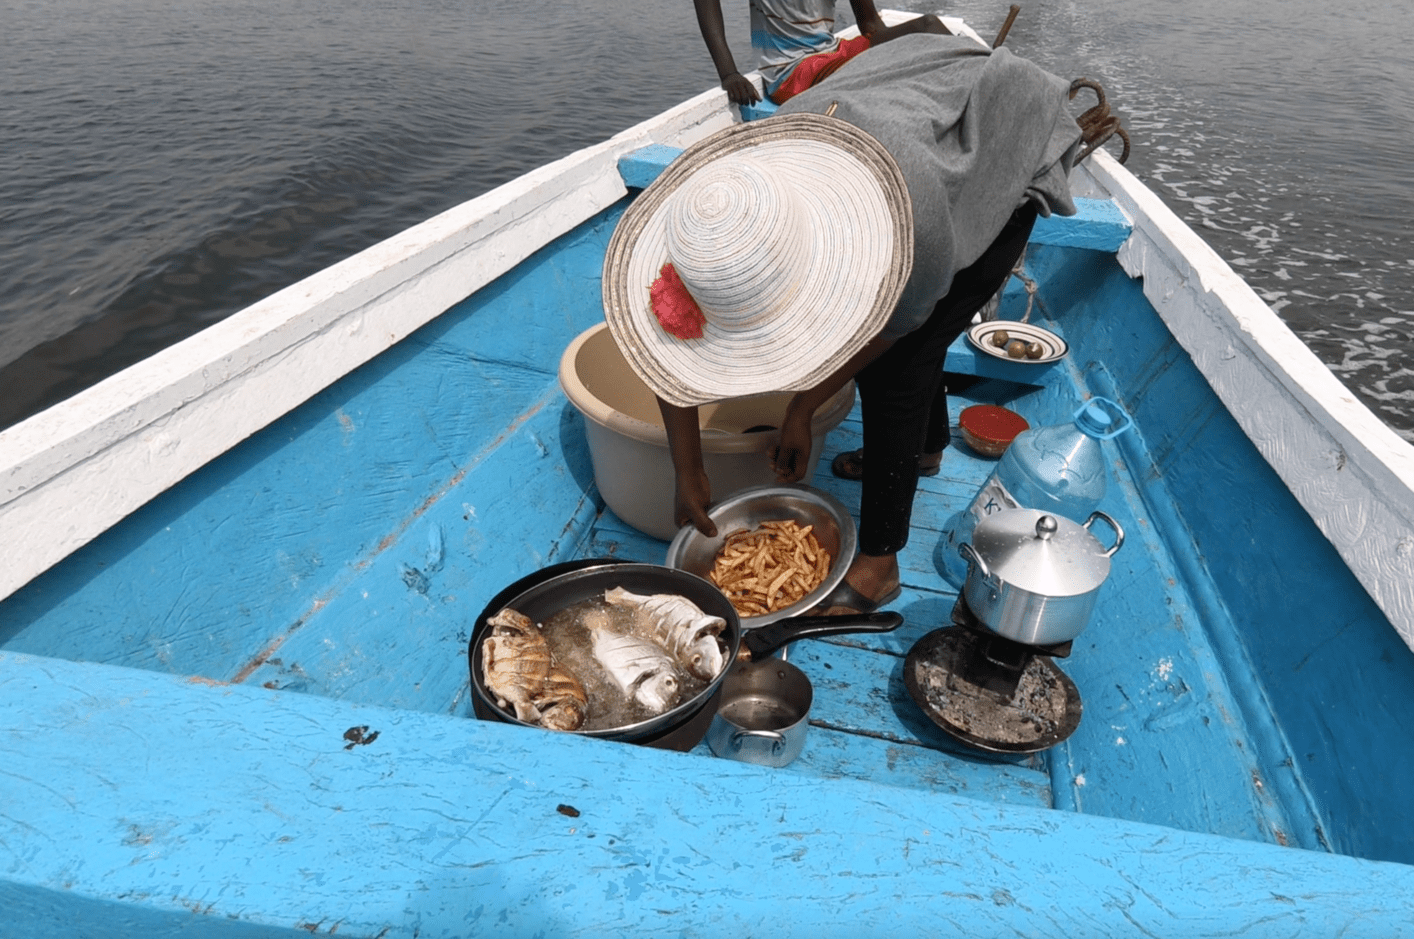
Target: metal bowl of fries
(778, 552)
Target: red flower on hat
(677, 312)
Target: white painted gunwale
(73, 471)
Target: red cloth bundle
(677, 312)
(816, 68)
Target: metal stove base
(973, 703)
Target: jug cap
(1102, 419)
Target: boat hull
(234, 667)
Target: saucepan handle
(764, 640)
(778, 741)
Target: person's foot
(850, 464)
(870, 582)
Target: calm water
(166, 164)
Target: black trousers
(899, 390)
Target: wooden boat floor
(1159, 740)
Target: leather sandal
(848, 598)
(849, 464)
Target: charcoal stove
(990, 692)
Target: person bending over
(850, 236)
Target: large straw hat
(794, 235)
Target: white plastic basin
(629, 447)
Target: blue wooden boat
(240, 578)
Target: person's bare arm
(794, 447)
(871, 24)
(692, 490)
(714, 32)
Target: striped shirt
(785, 31)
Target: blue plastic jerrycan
(1058, 469)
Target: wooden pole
(1006, 27)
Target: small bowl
(694, 552)
(990, 429)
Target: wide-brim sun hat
(794, 235)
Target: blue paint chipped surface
(1097, 225)
(639, 168)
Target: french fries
(769, 568)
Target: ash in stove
(998, 702)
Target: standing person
(795, 43)
(802, 251)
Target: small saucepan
(763, 713)
(543, 594)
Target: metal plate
(833, 526)
(981, 337)
(977, 717)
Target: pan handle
(764, 640)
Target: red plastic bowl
(990, 429)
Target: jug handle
(1119, 532)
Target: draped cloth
(977, 132)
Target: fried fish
(519, 671)
(678, 625)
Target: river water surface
(166, 164)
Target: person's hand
(692, 497)
(740, 89)
(792, 451)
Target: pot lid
(1042, 553)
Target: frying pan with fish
(544, 593)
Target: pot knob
(1046, 526)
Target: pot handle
(764, 640)
(1119, 532)
(970, 553)
(778, 741)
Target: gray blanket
(976, 132)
